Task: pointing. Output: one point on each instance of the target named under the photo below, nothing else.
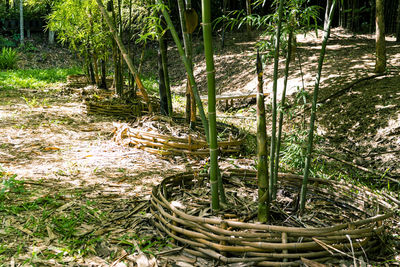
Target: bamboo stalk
(303, 192)
(262, 165)
(125, 54)
(187, 43)
(188, 69)
(272, 182)
(280, 124)
(208, 51)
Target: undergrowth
(8, 58)
(34, 78)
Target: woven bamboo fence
(232, 241)
(166, 144)
(77, 81)
(116, 108)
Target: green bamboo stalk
(262, 166)
(283, 99)
(208, 50)
(188, 70)
(303, 192)
(272, 182)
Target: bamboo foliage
(303, 192)
(208, 50)
(272, 182)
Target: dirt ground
(61, 151)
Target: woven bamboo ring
(230, 241)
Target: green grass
(34, 78)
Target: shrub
(8, 58)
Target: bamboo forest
(199, 133)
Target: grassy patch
(34, 78)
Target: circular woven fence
(234, 240)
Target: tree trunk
(398, 23)
(208, 50)
(248, 11)
(125, 54)
(380, 62)
(21, 21)
(224, 5)
(304, 185)
(103, 83)
(90, 71)
(51, 37)
(262, 155)
(342, 15)
(7, 5)
(116, 52)
(161, 84)
(164, 61)
(280, 124)
(187, 42)
(96, 68)
(272, 183)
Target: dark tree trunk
(224, 5)
(7, 5)
(342, 15)
(91, 72)
(164, 58)
(248, 11)
(380, 63)
(398, 24)
(103, 83)
(161, 85)
(116, 56)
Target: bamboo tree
(187, 43)
(161, 72)
(21, 21)
(125, 54)
(187, 67)
(164, 61)
(283, 99)
(380, 62)
(262, 165)
(303, 192)
(116, 52)
(161, 85)
(208, 50)
(272, 182)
